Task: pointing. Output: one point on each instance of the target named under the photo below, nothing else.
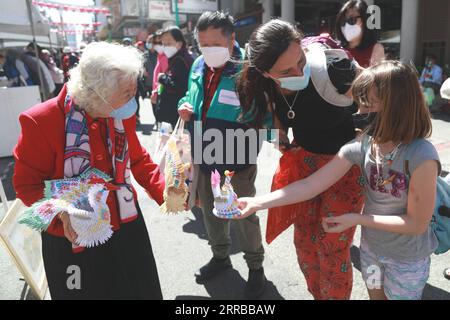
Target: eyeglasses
(351, 21)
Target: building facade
(411, 29)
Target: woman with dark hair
(305, 87)
(174, 81)
(162, 63)
(355, 35)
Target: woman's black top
(318, 126)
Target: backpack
(325, 40)
(321, 52)
(440, 221)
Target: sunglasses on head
(351, 21)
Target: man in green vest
(212, 104)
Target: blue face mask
(126, 111)
(296, 83)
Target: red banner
(68, 32)
(71, 8)
(94, 24)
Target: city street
(180, 243)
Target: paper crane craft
(175, 172)
(225, 199)
(84, 199)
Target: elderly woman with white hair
(91, 124)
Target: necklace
(385, 159)
(389, 157)
(290, 113)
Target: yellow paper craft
(175, 172)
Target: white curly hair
(103, 67)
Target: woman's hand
(185, 111)
(248, 206)
(340, 223)
(283, 144)
(69, 233)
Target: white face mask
(170, 51)
(215, 57)
(351, 32)
(159, 48)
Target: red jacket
(39, 156)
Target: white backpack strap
(316, 55)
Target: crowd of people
(355, 117)
(34, 65)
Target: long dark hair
(370, 36)
(176, 34)
(266, 45)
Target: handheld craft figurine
(175, 172)
(84, 199)
(225, 199)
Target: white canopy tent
(16, 31)
(15, 28)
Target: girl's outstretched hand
(340, 223)
(248, 206)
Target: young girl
(396, 240)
